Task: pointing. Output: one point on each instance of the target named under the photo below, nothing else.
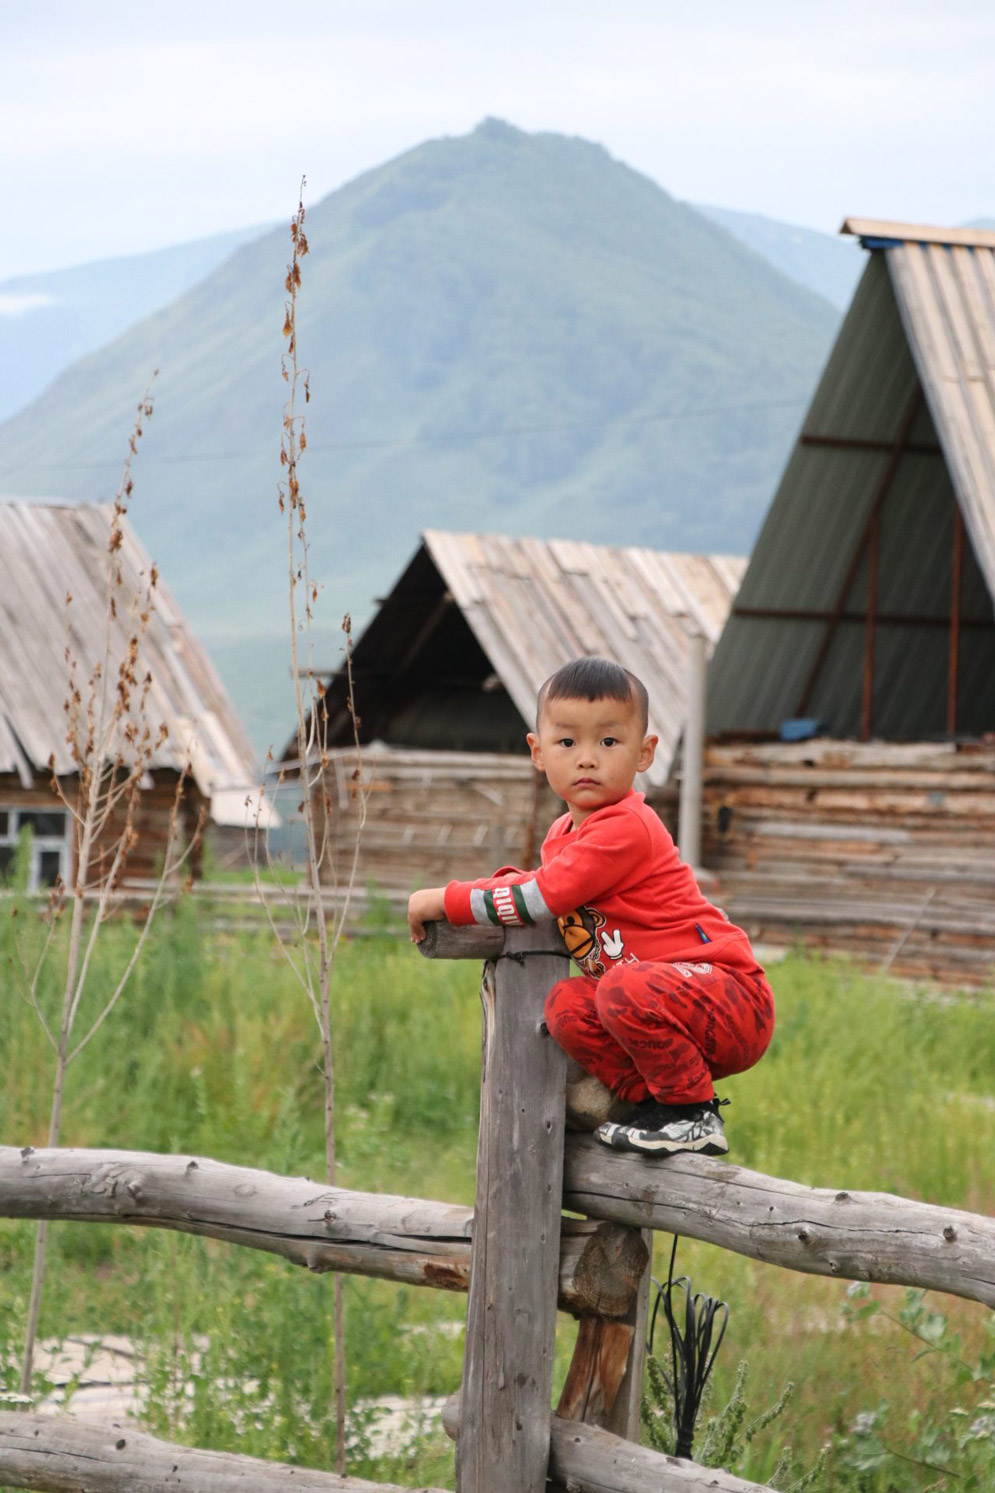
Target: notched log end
(609, 1270)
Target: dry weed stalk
(112, 744)
(311, 947)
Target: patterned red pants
(663, 1030)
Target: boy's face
(590, 751)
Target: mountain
(504, 331)
(824, 263)
(49, 320)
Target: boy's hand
(425, 906)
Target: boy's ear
(647, 753)
(536, 750)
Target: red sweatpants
(663, 1030)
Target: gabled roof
(532, 605)
(944, 283)
(886, 509)
(49, 550)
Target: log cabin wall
(51, 551)
(883, 850)
(54, 848)
(152, 826)
(435, 816)
(432, 817)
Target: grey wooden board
(511, 1314)
(49, 551)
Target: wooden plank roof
(49, 551)
(534, 604)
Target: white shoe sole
(622, 1138)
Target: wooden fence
(515, 1253)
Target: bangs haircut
(595, 679)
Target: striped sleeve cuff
(516, 903)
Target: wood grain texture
(444, 941)
(66, 1455)
(587, 1459)
(870, 1236)
(321, 1228)
(883, 850)
(511, 1314)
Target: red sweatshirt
(618, 890)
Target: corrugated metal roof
(534, 604)
(921, 324)
(48, 551)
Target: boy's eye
(609, 741)
(565, 741)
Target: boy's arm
(602, 856)
(425, 906)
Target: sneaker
(661, 1129)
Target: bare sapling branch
(112, 746)
(311, 945)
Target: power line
(399, 442)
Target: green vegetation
(213, 1051)
(504, 331)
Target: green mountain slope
(49, 320)
(829, 265)
(504, 331)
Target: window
(49, 844)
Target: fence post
(505, 1402)
(692, 755)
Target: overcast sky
(129, 125)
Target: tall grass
(867, 1085)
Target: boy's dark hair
(595, 679)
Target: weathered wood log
(322, 1228)
(624, 1418)
(600, 1357)
(511, 1314)
(586, 1459)
(444, 941)
(870, 1236)
(618, 1410)
(65, 1455)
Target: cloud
(19, 303)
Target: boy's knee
(559, 1007)
(610, 992)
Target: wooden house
(446, 676)
(53, 609)
(850, 776)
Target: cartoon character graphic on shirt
(587, 939)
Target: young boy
(671, 996)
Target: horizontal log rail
(444, 941)
(870, 1236)
(588, 1459)
(867, 1236)
(321, 1228)
(66, 1455)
